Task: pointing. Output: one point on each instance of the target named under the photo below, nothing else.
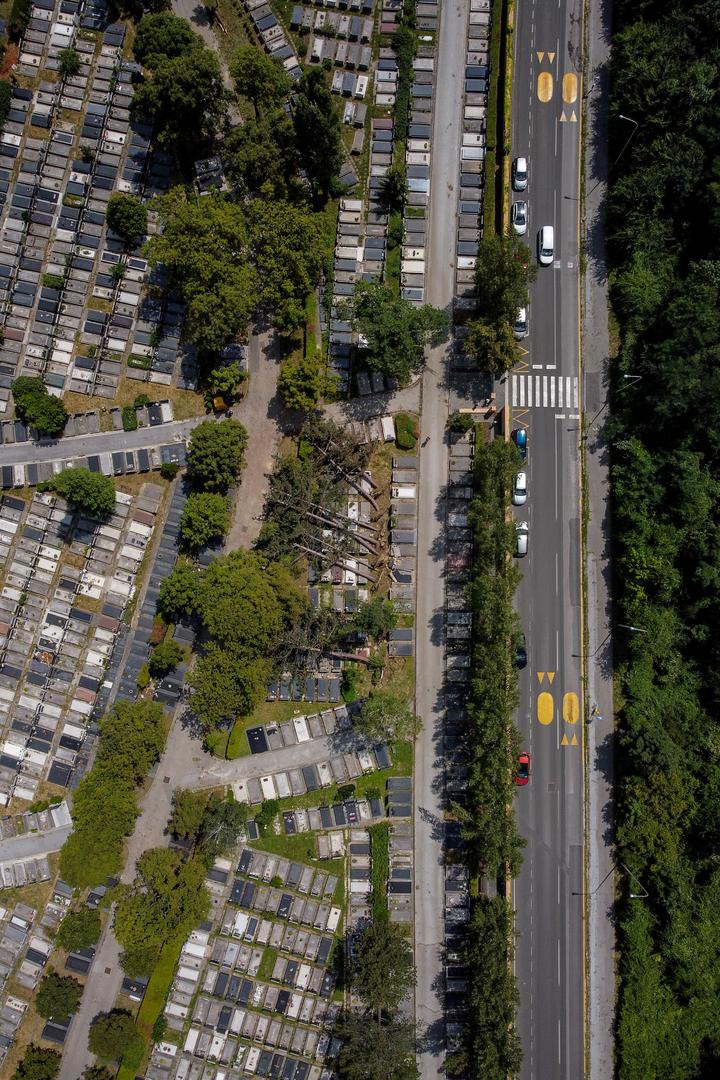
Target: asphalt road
(544, 390)
(429, 704)
(75, 446)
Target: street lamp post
(631, 380)
(631, 136)
(633, 895)
(634, 629)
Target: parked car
(519, 437)
(520, 329)
(519, 495)
(546, 245)
(522, 773)
(519, 216)
(520, 651)
(522, 535)
(519, 174)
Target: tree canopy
(37, 406)
(318, 131)
(503, 274)
(178, 597)
(376, 1050)
(184, 97)
(216, 454)
(38, 1064)
(260, 78)
(88, 491)
(58, 996)
(386, 715)
(396, 332)
(127, 216)
(205, 518)
(79, 929)
(163, 36)
(165, 657)
(113, 1034)
(167, 899)
(69, 62)
(376, 617)
(382, 969)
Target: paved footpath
(100, 442)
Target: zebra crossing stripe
(545, 391)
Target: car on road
(519, 217)
(522, 773)
(546, 245)
(519, 437)
(519, 174)
(520, 328)
(519, 495)
(520, 651)
(522, 535)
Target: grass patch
(406, 431)
(380, 853)
(495, 121)
(267, 963)
(153, 1004)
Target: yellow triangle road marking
(540, 56)
(563, 117)
(573, 117)
(523, 352)
(573, 741)
(551, 56)
(564, 741)
(541, 676)
(551, 676)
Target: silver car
(519, 217)
(520, 327)
(522, 532)
(519, 174)
(519, 495)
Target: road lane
(549, 919)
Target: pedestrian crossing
(545, 392)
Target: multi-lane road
(544, 392)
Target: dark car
(520, 651)
(519, 437)
(522, 775)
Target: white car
(546, 245)
(520, 329)
(519, 174)
(522, 535)
(519, 495)
(519, 217)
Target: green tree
(167, 899)
(58, 996)
(216, 454)
(492, 344)
(38, 1064)
(383, 972)
(69, 62)
(184, 98)
(205, 518)
(163, 37)
(261, 155)
(503, 274)
(376, 1050)
(205, 247)
(97, 1072)
(302, 382)
(90, 492)
(376, 617)
(395, 331)
(179, 591)
(288, 254)
(79, 929)
(222, 824)
(226, 380)
(187, 813)
(165, 657)
(37, 407)
(127, 217)
(259, 78)
(132, 738)
(114, 1034)
(317, 125)
(226, 686)
(385, 715)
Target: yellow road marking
(551, 676)
(573, 741)
(545, 708)
(540, 56)
(541, 676)
(545, 86)
(563, 117)
(573, 117)
(551, 56)
(571, 708)
(569, 87)
(564, 741)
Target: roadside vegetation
(663, 232)
(491, 1047)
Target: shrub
(406, 431)
(129, 418)
(53, 281)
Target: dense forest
(664, 238)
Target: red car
(522, 776)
